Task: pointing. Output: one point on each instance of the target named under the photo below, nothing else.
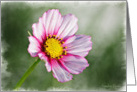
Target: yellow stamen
(53, 47)
(54, 36)
(65, 52)
(47, 53)
(61, 56)
(57, 37)
(65, 47)
(49, 36)
(61, 39)
(58, 57)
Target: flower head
(54, 41)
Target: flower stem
(27, 73)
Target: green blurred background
(103, 21)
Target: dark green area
(107, 61)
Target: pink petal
(43, 56)
(78, 45)
(39, 31)
(74, 64)
(52, 21)
(69, 40)
(59, 72)
(68, 27)
(34, 47)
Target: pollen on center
(53, 47)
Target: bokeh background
(104, 21)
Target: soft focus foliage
(103, 21)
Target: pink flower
(54, 41)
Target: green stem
(27, 73)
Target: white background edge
(133, 24)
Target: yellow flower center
(53, 47)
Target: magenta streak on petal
(69, 27)
(53, 22)
(78, 45)
(58, 24)
(74, 30)
(44, 23)
(43, 56)
(67, 21)
(50, 22)
(63, 24)
(59, 72)
(49, 18)
(69, 40)
(74, 64)
(34, 46)
(44, 30)
(38, 30)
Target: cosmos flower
(54, 41)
